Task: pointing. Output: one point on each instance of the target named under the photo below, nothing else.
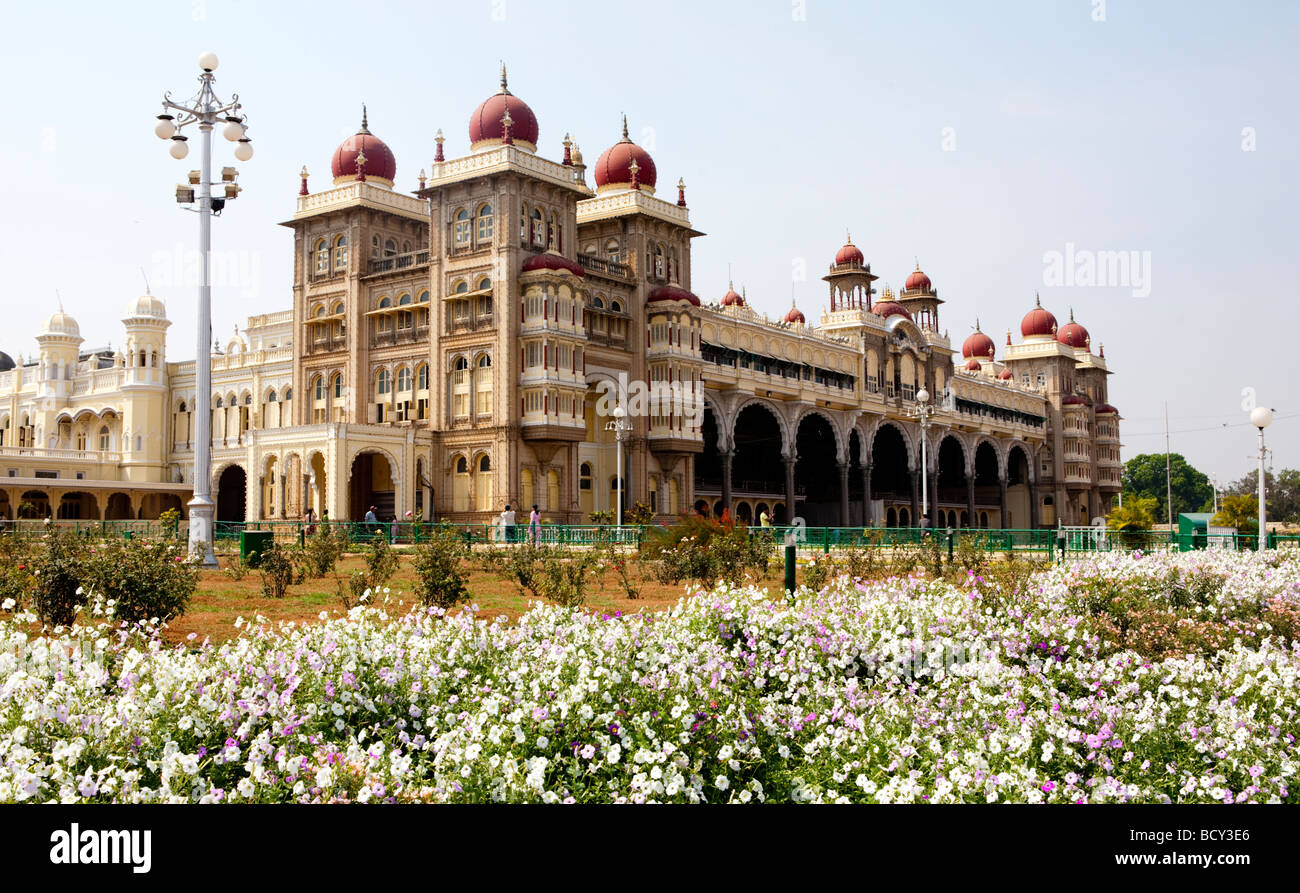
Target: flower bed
(905, 690)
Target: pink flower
(1049, 787)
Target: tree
(1282, 492)
(1133, 520)
(1144, 477)
(1239, 511)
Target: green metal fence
(1070, 541)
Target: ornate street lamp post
(1261, 417)
(922, 412)
(205, 110)
(620, 426)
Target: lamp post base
(202, 518)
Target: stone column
(916, 497)
(844, 494)
(789, 488)
(1035, 512)
(934, 495)
(1002, 501)
(727, 456)
(867, 519)
(970, 499)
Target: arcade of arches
(836, 470)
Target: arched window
(616, 306)
(385, 301)
(462, 228)
(406, 247)
(390, 248)
(483, 386)
(485, 284)
(460, 388)
(485, 223)
(553, 234)
(462, 287)
(460, 485)
(539, 228)
(660, 272)
(338, 309)
(218, 404)
(383, 382)
(423, 298)
(613, 253)
(483, 486)
(322, 256)
(338, 386)
(182, 408)
(320, 311)
(103, 439)
(403, 380)
(584, 476)
(598, 303)
(403, 300)
(270, 397)
(523, 222)
(288, 394)
(341, 253)
(422, 377)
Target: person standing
(372, 521)
(763, 519)
(535, 525)
(508, 523)
(309, 517)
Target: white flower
(614, 753)
(722, 782)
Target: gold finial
(918, 264)
(977, 323)
(1071, 314)
(1037, 303)
(625, 136)
(504, 89)
(365, 125)
(848, 237)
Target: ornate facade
(445, 349)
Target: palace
(445, 349)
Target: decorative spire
(1102, 351)
(437, 153)
(1008, 337)
(361, 166)
(633, 168)
(626, 139)
(303, 174)
(918, 265)
(506, 121)
(1037, 303)
(504, 88)
(568, 151)
(977, 323)
(365, 126)
(681, 193)
(848, 237)
(422, 178)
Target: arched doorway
(232, 493)
(372, 484)
(987, 490)
(1017, 512)
(757, 469)
(891, 482)
(818, 472)
(951, 488)
(34, 505)
(78, 506)
(857, 510)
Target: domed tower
(850, 279)
(503, 119)
(624, 166)
(364, 157)
(60, 341)
(145, 352)
(978, 346)
(921, 299)
(145, 411)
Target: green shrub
(703, 550)
(17, 581)
(58, 561)
(279, 571)
(320, 553)
(440, 577)
(549, 573)
(381, 561)
(146, 578)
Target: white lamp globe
(180, 148)
(233, 131)
(244, 150)
(923, 396)
(619, 412)
(165, 129)
(1261, 417)
(208, 61)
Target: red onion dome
(978, 344)
(672, 293)
(1007, 375)
(614, 166)
(487, 127)
(552, 261)
(731, 299)
(1074, 400)
(918, 281)
(973, 365)
(1072, 334)
(1038, 321)
(887, 309)
(795, 315)
(850, 254)
(379, 166)
(1107, 409)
